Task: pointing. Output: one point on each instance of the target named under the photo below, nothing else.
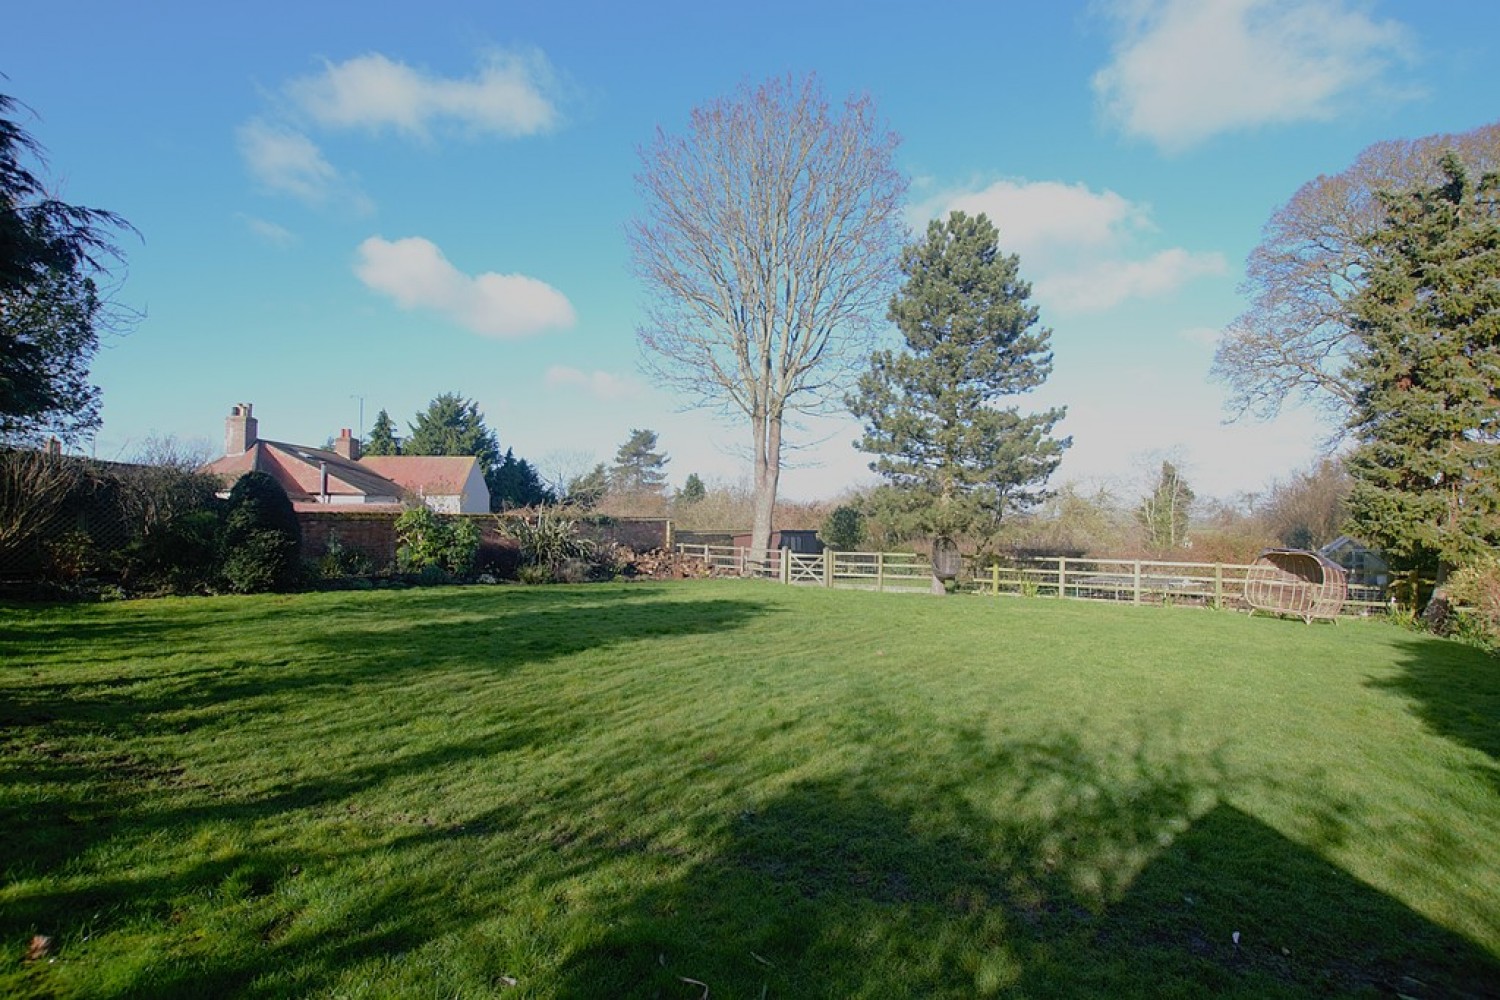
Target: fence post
(1218, 586)
(880, 572)
(995, 578)
(1137, 583)
(786, 568)
(1062, 575)
(828, 567)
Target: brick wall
(370, 532)
(639, 534)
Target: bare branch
(1294, 340)
(767, 244)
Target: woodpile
(659, 564)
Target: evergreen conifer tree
(452, 425)
(639, 467)
(1427, 467)
(382, 439)
(692, 490)
(516, 483)
(954, 460)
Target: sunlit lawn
(739, 790)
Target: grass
(627, 791)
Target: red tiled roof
(427, 475)
(300, 471)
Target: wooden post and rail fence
(1134, 581)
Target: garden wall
(373, 533)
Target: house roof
(299, 469)
(425, 475)
(310, 474)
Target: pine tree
(955, 461)
(1427, 469)
(638, 467)
(382, 437)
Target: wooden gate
(803, 569)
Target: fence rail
(1141, 581)
(852, 570)
(1134, 581)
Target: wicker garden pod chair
(1296, 582)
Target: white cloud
(1185, 70)
(1081, 249)
(599, 384)
(284, 160)
(1110, 282)
(269, 232)
(506, 96)
(1041, 216)
(414, 273)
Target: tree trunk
(1438, 614)
(767, 477)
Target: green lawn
(614, 791)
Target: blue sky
(394, 201)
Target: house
(449, 484)
(319, 478)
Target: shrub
(70, 557)
(262, 541)
(1477, 589)
(174, 519)
(550, 542)
(461, 548)
(180, 554)
(427, 541)
(33, 488)
(340, 562)
(260, 561)
(843, 529)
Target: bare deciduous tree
(767, 243)
(1294, 341)
(1309, 508)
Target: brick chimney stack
(239, 430)
(347, 445)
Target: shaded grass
(608, 791)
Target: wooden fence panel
(1137, 581)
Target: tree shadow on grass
(1455, 690)
(481, 631)
(1086, 877)
(86, 763)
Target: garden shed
(803, 541)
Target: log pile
(659, 564)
